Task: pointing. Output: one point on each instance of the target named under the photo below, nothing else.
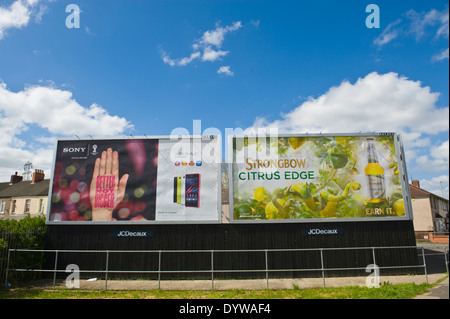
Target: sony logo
(74, 149)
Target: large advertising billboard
(318, 177)
(136, 180)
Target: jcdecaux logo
(127, 233)
(323, 231)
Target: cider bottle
(375, 174)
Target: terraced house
(430, 212)
(19, 198)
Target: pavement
(439, 292)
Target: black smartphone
(192, 190)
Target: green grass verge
(386, 291)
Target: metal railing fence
(265, 269)
(17, 239)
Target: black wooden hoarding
(207, 237)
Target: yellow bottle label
(374, 169)
(375, 175)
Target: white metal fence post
(321, 264)
(7, 267)
(159, 269)
(424, 264)
(55, 269)
(212, 269)
(267, 268)
(106, 270)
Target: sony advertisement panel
(136, 180)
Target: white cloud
(438, 185)
(207, 48)
(212, 55)
(88, 31)
(54, 111)
(217, 36)
(255, 23)
(18, 14)
(225, 70)
(421, 21)
(440, 151)
(427, 164)
(440, 56)
(13, 158)
(444, 28)
(376, 103)
(415, 139)
(179, 62)
(438, 159)
(432, 24)
(388, 34)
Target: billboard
(136, 180)
(318, 177)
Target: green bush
(26, 233)
(3, 244)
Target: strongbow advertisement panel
(130, 180)
(326, 177)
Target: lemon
(297, 142)
(272, 210)
(341, 140)
(360, 198)
(399, 207)
(260, 194)
(302, 189)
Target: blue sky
(149, 67)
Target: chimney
(415, 183)
(38, 176)
(15, 178)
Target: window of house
(41, 205)
(13, 208)
(2, 206)
(27, 205)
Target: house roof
(3, 185)
(419, 192)
(25, 188)
(415, 191)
